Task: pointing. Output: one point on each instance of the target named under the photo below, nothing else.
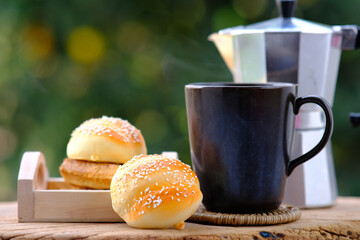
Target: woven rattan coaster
(284, 214)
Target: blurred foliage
(62, 63)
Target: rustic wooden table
(341, 221)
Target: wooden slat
(74, 206)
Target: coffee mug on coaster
(240, 140)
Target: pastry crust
(95, 175)
(154, 191)
(106, 139)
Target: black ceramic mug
(240, 140)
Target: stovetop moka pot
(289, 49)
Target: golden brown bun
(154, 191)
(106, 139)
(88, 174)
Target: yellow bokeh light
(86, 45)
(37, 42)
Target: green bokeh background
(63, 62)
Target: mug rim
(266, 85)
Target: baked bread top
(106, 139)
(154, 191)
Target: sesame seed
(110, 126)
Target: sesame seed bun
(154, 191)
(106, 139)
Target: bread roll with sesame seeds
(106, 139)
(154, 191)
(97, 148)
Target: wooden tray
(45, 199)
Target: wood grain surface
(341, 221)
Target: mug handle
(327, 133)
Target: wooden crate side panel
(74, 206)
(38, 203)
(33, 175)
(25, 201)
